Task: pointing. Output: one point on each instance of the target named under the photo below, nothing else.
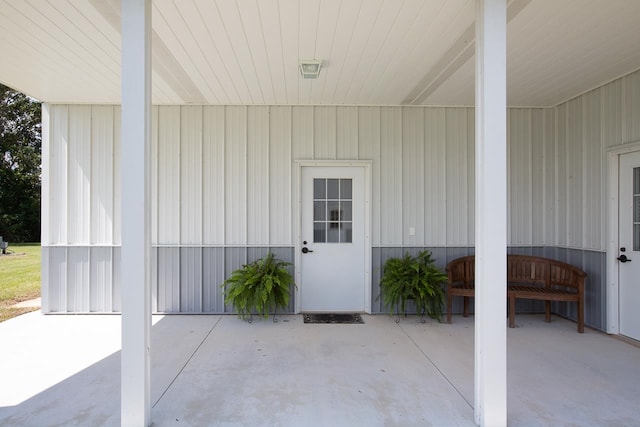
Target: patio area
(219, 370)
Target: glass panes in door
(332, 210)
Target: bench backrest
(522, 269)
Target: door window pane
(319, 188)
(333, 191)
(332, 210)
(319, 232)
(319, 210)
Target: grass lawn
(19, 278)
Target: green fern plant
(261, 287)
(413, 278)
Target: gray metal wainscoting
(591, 262)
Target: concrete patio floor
(218, 370)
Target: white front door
(629, 239)
(332, 246)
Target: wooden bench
(528, 277)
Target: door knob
(306, 250)
(623, 258)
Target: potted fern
(413, 278)
(259, 287)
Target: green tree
(20, 148)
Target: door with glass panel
(629, 251)
(333, 239)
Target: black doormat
(333, 318)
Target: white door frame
(297, 185)
(613, 246)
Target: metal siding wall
(168, 269)
(435, 220)
(101, 175)
(561, 167)
(457, 169)
(391, 166)
(45, 195)
(611, 113)
(280, 167)
(573, 174)
(537, 184)
(347, 133)
(302, 132)
(550, 177)
(154, 175)
(324, 133)
(412, 176)
(520, 177)
(631, 97)
(236, 175)
(79, 174)
(190, 145)
(117, 283)
(368, 148)
(57, 280)
(78, 279)
(101, 279)
(58, 145)
(593, 176)
(117, 184)
(191, 284)
(213, 274)
(213, 174)
(169, 160)
(258, 193)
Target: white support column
(136, 242)
(491, 215)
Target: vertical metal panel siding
(573, 174)
(593, 178)
(78, 277)
(191, 280)
(117, 205)
(154, 176)
(169, 201)
(520, 188)
(435, 207)
(45, 195)
(258, 193)
(302, 132)
(391, 202)
(631, 90)
(412, 175)
(190, 175)
(58, 145)
(57, 279)
(236, 175)
(611, 110)
(101, 175)
(537, 176)
(561, 182)
(168, 280)
(457, 180)
(101, 279)
(324, 133)
(368, 134)
(213, 274)
(213, 173)
(347, 133)
(280, 175)
(117, 283)
(79, 164)
(550, 177)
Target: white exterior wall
(222, 177)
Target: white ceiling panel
(374, 52)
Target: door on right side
(629, 240)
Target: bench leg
(547, 311)
(465, 309)
(580, 316)
(449, 304)
(512, 312)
